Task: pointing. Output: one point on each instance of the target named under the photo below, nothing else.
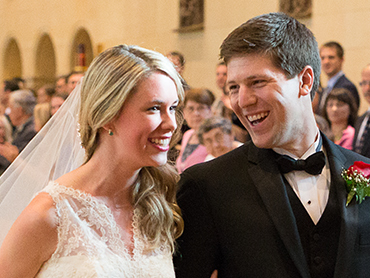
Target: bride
(116, 214)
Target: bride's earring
(110, 132)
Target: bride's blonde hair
(110, 79)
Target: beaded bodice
(90, 242)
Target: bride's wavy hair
(111, 78)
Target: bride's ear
(108, 128)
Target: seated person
(217, 136)
(56, 102)
(341, 113)
(197, 107)
(41, 114)
(5, 138)
(21, 104)
(45, 93)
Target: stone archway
(12, 65)
(45, 65)
(82, 51)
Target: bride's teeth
(162, 142)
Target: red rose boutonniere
(357, 180)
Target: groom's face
(265, 101)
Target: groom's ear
(306, 78)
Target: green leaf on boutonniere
(350, 196)
(357, 181)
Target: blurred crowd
(210, 127)
(24, 111)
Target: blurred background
(43, 39)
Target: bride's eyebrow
(154, 101)
(159, 101)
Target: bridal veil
(54, 151)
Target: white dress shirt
(313, 191)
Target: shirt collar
(334, 79)
(315, 147)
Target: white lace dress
(90, 245)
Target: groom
(254, 213)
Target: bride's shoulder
(41, 212)
(33, 237)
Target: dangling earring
(110, 132)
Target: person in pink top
(197, 108)
(341, 113)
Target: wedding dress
(90, 245)
(89, 239)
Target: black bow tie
(312, 165)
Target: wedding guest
(5, 130)
(61, 85)
(21, 82)
(361, 140)
(341, 113)
(178, 60)
(41, 114)
(221, 76)
(5, 138)
(72, 80)
(9, 86)
(263, 210)
(197, 107)
(217, 136)
(116, 214)
(222, 102)
(57, 101)
(332, 59)
(45, 93)
(222, 107)
(21, 104)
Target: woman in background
(341, 113)
(217, 136)
(41, 114)
(5, 138)
(197, 108)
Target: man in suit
(361, 141)
(245, 214)
(332, 57)
(21, 104)
(72, 80)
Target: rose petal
(360, 166)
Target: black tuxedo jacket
(238, 219)
(366, 148)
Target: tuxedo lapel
(337, 162)
(270, 185)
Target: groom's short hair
(290, 45)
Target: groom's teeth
(257, 116)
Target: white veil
(54, 151)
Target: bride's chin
(159, 161)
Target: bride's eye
(155, 108)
